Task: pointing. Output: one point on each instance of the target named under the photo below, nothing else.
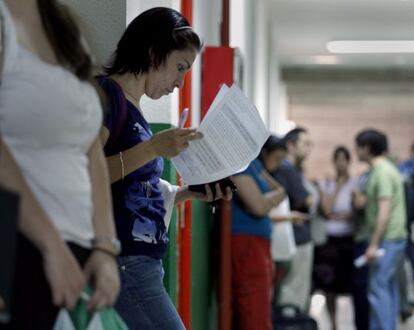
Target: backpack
(289, 317)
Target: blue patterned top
(137, 200)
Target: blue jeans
(143, 302)
(383, 290)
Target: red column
(184, 233)
(225, 310)
(218, 69)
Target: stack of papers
(233, 133)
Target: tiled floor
(345, 314)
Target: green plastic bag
(80, 319)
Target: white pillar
(206, 22)
(102, 22)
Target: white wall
(249, 31)
(206, 22)
(242, 37)
(260, 64)
(102, 22)
(135, 7)
(278, 122)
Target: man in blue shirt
(407, 167)
(296, 287)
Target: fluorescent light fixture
(370, 46)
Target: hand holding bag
(80, 318)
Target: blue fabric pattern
(137, 200)
(407, 168)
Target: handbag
(283, 245)
(81, 319)
(318, 230)
(289, 317)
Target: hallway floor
(345, 314)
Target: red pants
(252, 270)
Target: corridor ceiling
(300, 30)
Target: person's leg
(331, 305)
(410, 252)
(383, 293)
(143, 302)
(359, 289)
(251, 280)
(405, 307)
(410, 268)
(297, 285)
(281, 271)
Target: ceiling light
(370, 46)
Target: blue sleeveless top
(244, 222)
(137, 200)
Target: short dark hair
(374, 139)
(150, 38)
(293, 135)
(273, 143)
(342, 150)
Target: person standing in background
(407, 167)
(333, 261)
(252, 267)
(296, 286)
(359, 287)
(386, 222)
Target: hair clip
(183, 28)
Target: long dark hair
(341, 150)
(65, 38)
(150, 38)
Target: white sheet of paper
(233, 133)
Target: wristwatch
(103, 240)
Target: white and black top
(49, 119)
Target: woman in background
(252, 266)
(333, 260)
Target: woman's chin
(155, 96)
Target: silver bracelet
(122, 165)
(113, 241)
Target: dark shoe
(405, 315)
